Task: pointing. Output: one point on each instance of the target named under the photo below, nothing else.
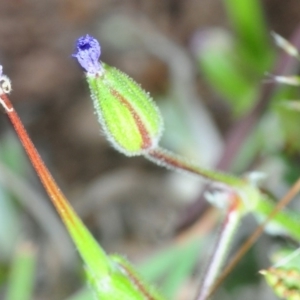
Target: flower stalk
(228, 228)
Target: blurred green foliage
(234, 63)
(22, 274)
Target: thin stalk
(288, 220)
(76, 228)
(229, 226)
(256, 234)
(232, 218)
(56, 196)
(170, 160)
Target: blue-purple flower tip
(88, 53)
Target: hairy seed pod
(130, 119)
(285, 282)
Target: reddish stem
(56, 196)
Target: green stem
(288, 221)
(170, 160)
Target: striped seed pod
(284, 282)
(130, 119)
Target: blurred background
(205, 64)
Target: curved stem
(170, 160)
(232, 219)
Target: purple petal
(88, 53)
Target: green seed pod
(285, 282)
(130, 119)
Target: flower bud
(88, 53)
(130, 119)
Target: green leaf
(220, 67)
(249, 24)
